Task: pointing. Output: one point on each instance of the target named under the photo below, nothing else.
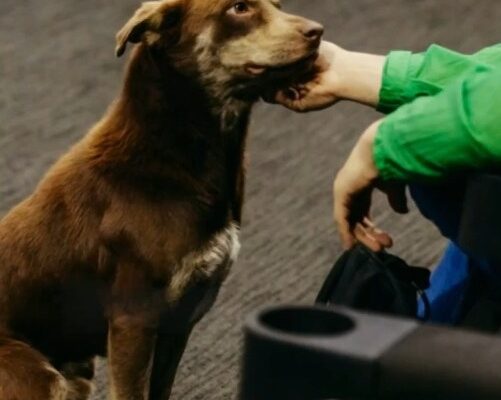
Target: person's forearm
(360, 76)
(390, 81)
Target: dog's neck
(160, 112)
(153, 88)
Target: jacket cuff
(399, 70)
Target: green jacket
(445, 113)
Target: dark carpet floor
(58, 73)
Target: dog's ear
(148, 22)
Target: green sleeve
(408, 76)
(457, 129)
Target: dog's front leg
(169, 349)
(130, 352)
(132, 329)
(174, 330)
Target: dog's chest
(220, 252)
(198, 277)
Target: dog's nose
(313, 31)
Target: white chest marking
(221, 252)
(212, 262)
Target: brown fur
(124, 244)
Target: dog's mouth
(301, 65)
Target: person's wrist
(358, 76)
(330, 63)
(342, 79)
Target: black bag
(376, 282)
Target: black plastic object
(315, 353)
(480, 226)
(376, 282)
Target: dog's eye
(240, 8)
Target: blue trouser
(451, 279)
(449, 285)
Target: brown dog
(123, 246)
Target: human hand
(353, 189)
(337, 74)
(320, 91)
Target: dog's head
(227, 45)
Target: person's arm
(458, 129)
(382, 82)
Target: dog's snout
(313, 31)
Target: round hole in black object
(307, 321)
